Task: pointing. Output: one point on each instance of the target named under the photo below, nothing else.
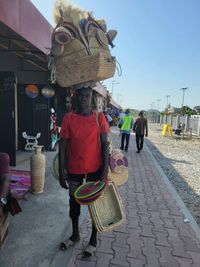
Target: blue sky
(157, 46)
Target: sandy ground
(180, 160)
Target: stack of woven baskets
(89, 192)
(80, 47)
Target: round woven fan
(102, 24)
(118, 178)
(118, 163)
(111, 35)
(89, 189)
(62, 35)
(32, 91)
(101, 37)
(73, 29)
(88, 25)
(94, 45)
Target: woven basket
(118, 178)
(107, 211)
(89, 68)
(118, 163)
(116, 151)
(89, 189)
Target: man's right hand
(1, 212)
(63, 183)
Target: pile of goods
(80, 47)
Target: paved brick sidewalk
(154, 234)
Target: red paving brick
(154, 233)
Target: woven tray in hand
(107, 211)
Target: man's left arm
(120, 123)
(104, 155)
(146, 128)
(132, 123)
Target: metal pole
(112, 87)
(184, 89)
(158, 101)
(167, 96)
(113, 83)
(118, 98)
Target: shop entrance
(7, 115)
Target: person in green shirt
(125, 125)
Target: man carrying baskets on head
(83, 154)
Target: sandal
(88, 252)
(67, 244)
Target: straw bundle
(70, 12)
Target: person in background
(121, 114)
(83, 154)
(140, 128)
(109, 120)
(125, 125)
(108, 117)
(53, 129)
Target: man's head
(141, 114)
(84, 96)
(127, 111)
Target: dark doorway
(7, 115)
(33, 117)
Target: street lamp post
(158, 101)
(118, 97)
(152, 112)
(167, 96)
(183, 89)
(113, 83)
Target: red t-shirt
(84, 141)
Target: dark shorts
(75, 180)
